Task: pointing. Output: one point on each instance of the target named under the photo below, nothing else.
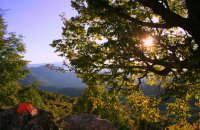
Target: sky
(39, 22)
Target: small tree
(12, 65)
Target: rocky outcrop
(85, 122)
(10, 119)
(26, 117)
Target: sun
(148, 42)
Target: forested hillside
(51, 81)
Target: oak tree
(119, 42)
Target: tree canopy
(119, 44)
(105, 42)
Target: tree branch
(169, 16)
(163, 72)
(120, 12)
(148, 24)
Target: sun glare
(155, 19)
(148, 42)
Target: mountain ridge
(50, 80)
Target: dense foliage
(137, 113)
(110, 47)
(96, 100)
(108, 44)
(12, 65)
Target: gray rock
(85, 122)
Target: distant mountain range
(42, 64)
(50, 80)
(68, 83)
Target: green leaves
(12, 65)
(178, 110)
(105, 46)
(123, 25)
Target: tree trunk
(194, 18)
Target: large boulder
(10, 119)
(85, 122)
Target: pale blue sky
(39, 22)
